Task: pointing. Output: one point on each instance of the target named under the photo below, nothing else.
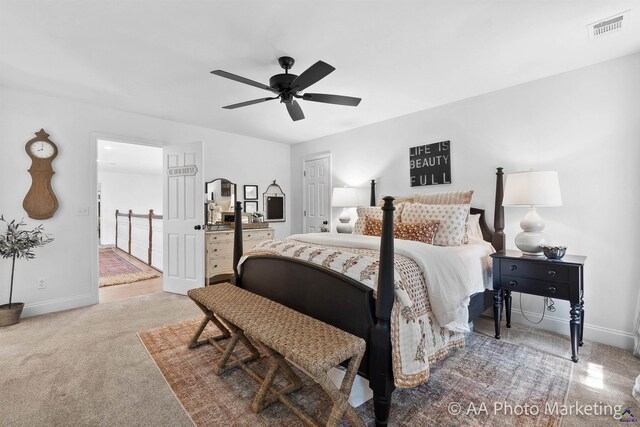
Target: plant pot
(10, 315)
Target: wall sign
(187, 170)
(430, 164)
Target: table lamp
(344, 197)
(532, 189)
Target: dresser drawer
(219, 236)
(535, 287)
(258, 235)
(535, 270)
(219, 266)
(219, 250)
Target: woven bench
(283, 333)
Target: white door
(183, 263)
(317, 194)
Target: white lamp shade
(532, 188)
(344, 197)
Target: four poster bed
(347, 303)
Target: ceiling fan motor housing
(281, 82)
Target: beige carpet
(118, 267)
(486, 370)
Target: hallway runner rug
(118, 267)
(486, 371)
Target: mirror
(221, 196)
(273, 201)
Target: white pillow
(473, 227)
(374, 212)
(451, 231)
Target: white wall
(67, 264)
(585, 124)
(243, 162)
(124, 191)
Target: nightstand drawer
(535, 287)
(535, 270)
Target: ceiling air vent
(610, 25)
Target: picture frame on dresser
(250, 192)
(250, 206)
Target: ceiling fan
(287, 87)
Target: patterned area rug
(118, 267)
(487, 383)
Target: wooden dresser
(219, 249)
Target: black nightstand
(561, 279)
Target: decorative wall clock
(40, 202)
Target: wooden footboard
(316, 291)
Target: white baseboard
(594, 333)
(38, 308)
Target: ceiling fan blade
(247, 103)
(294, 110)
(332, 99)
(244, 80)
(311, 75)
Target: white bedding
(452, 274)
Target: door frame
(316, 156)
(93, 213)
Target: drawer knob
(551, 289)
(215, 266)
(551, 273)
(513, 267)
(215, 250)
(513, 283)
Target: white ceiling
(129, 158)
(154, 56)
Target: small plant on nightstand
(17, 243)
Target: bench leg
(223, 364)
(263, 398)
(340, 397)
(208, 317)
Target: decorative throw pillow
(452, 220)
(420, 231)
(374, 212)
(448, 198)
(372, 226)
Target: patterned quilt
(417, 338)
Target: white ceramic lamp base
(345, 219)
(530, 239)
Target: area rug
(118, 267)
(487, 383)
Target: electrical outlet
(41, 283)
(82, 212)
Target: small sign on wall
(187, 170)
(430, 164)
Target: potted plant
(16, 243)
(257, 216)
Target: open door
(183, 264)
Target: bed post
(498, 240)
(237, 242)
(380, 365)
(372, 200)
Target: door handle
(197, 227)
